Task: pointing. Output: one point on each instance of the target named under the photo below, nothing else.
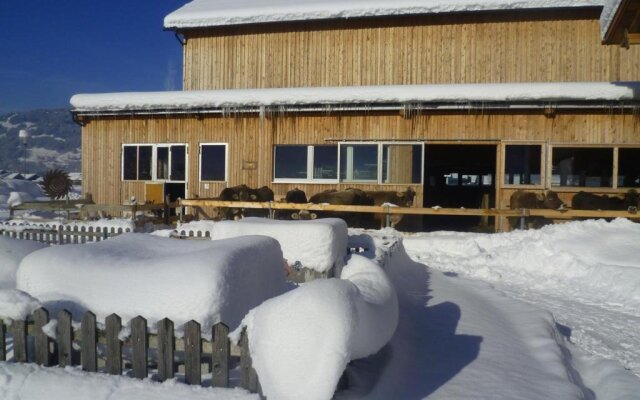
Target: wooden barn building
(463, 101)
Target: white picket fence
(58, 232)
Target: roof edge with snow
(357, 98)
(207, 13)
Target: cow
(400, 199)
(521, 199)
(590, 201)
(295, 196)
(244, 193)
(352, 197)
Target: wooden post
(220, 356)
(60, 237)
(64, 338)
(19, 331)
(140, 347)
(40, 319)
(193, 351)
(89, 339)
(165, 212)
(3, 344)
(248, 376)
(114, 346)
(166, 349)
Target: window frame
(310, 163)
(226, 161)
(380, 177)
(570, 189)
(543, 164)
(154, 164)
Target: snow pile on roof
(12, 251)
(593, 257)
(608, 12)
(319, 244)
(32, 382)
(301, 342)
(434, 93)
(207, 13)
(138, 274)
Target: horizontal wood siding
(524, 46)
(251, 140)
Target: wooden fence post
(248, 376)
(19, 331)
(64, 334)
(166, 349)
(193, 352)
(60, 237)
(3, 344)
(113, 325)
(40, 319)
(140, 347)
(221, 350)
(89, 339)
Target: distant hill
(54, 141)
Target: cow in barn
(295, 196)
(244, 193)
(590, 201)
(400, 199)
(521, 199)
(351, 197)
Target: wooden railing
(391, 210)
(102, 350)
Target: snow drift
(318, 244)
(593, 258)
(12, 251)
(301, 342)
(137, 274)
(16, 191)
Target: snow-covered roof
(608, 12)
(209, 13)
(403, 94)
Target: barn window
(305, 162)
(213, 162)
(162, 162)
(137, 162)
(401, 163)
(582, 166)
(628, 167)
(522, 165)
(359, 162)
(325, 162)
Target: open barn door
(459, 175)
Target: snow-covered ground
(546, 314)
(586, 273)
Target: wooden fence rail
(102, 350)
(390, 210)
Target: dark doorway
(459, 176)
(174, 191)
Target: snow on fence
(142, 354)
(64, 233)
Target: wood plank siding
(480, 47)
(251, 139)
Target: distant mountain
(54, 141)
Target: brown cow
(295, 196)
(521, 199)
(244, 193)
(352, 197)
(590, 201)
(400, 199)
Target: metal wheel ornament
(56, 184)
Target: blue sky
(52, 49)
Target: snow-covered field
(548, 314)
